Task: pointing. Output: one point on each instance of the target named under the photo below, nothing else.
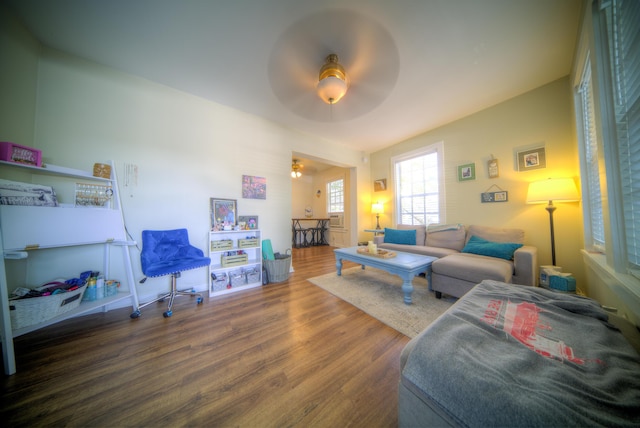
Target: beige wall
(540, 117)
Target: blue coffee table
(405, 265)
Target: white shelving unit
(231, 273)
(35, 234)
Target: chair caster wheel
(135, 314)
(199, 301)
(167, 314)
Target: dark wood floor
(287, 354)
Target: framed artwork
(532, 159)
(250, 221)
(492, 168)
(467, 172)
(223, 214)
(254, 187)
(380, 185)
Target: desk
(311, 234)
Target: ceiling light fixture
(332, 81)
(295, 169)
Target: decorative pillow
(502, 250)
(395, 236)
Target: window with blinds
(417, 179)
(593, 202)
(621, 18)
(610, 111)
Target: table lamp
(377, 209)
(550, 190)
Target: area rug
(379, 294)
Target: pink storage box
(12, 152)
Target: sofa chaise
(510, 355)
(466, 255)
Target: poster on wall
(254, 187)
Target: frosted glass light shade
(552, 189)
(331, 89)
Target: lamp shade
(377, 208)
(552, 189)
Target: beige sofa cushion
(496, 234)
(446, 236)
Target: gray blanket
(509, 355)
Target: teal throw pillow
(397, 236)
(502, 250)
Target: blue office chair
(168, 252)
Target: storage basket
(248, 242)
(34, 310)
(235, 260)
(253, 275)
(237, 278)
(219, 281)
(278, 269)
(223, 244)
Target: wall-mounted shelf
(48, 230)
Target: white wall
(186, 149)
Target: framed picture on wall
(492, 168)
(254, 187)
(532, 159)
(223, 213)
(467, 172)
(380, 185)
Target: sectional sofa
(466, 255)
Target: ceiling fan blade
(364, 48)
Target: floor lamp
(377, 209)
(552, 190)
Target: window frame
(330, 195)
(437, 148)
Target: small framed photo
(532, 159)
(249, 222)
(467, 172)
(380, 185)
(493, 169)
(223, 214)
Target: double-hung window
(335, 196)
(419, 186)
(608, 109)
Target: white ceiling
(414, 64)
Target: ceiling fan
(366, 53)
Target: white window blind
(590, 141)
(622, 18)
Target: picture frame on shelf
(532, 159)
(467, 172)
(223, 214)
(250, 222)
